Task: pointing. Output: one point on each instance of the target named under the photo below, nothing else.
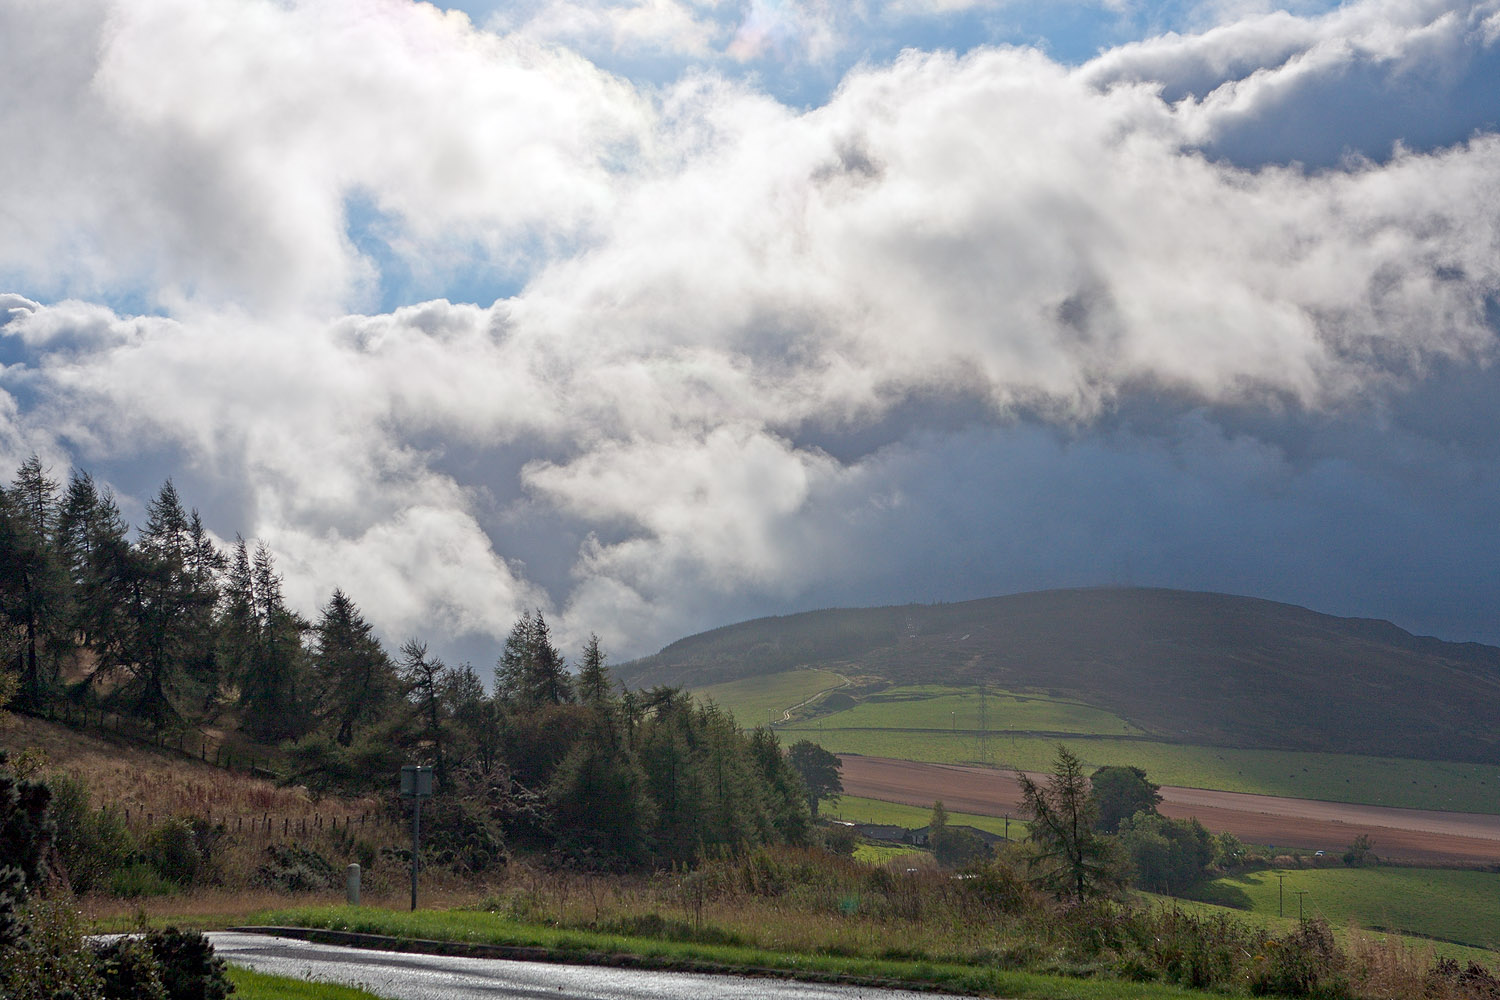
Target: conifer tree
(786, 799)
(1072, 858)
(356, 679)
(274, 683)
(170, 638)
(425, 678)
(594, 685)
(515, 660)
(36, 594)
(531, 671)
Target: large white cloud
(718, 287)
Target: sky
(659, 315)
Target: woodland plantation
(172, 631)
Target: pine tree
(168, 632)
(37, 596)
(515, 660)
(786, 799)
(102, 566)
(275, 675)
(547, 683)
(356, 679)
(594, 685)
(531, 671)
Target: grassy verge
(1381, 781)
(250, 985)
(583, 945)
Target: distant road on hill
(1417, 836)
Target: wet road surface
(405, 976)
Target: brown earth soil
(1415, 836)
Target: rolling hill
(1182, 666)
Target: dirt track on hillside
(1411, 835)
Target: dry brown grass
(162, 784)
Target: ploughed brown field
(1412, 835)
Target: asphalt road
(405, 976)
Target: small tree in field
(1072, 859)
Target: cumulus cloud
(974, 323)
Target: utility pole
(416, 785)
(1280, 894)
(1300, 894)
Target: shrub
(955, 847)
(294, 869)
(1000, 885)
(1200, 952)
(93, 845)
(139, 879)
(840, 839)
(172, 849)
(130, 971)
(189, 968)
(1304, 963)
(51, 962)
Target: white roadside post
(416, 784)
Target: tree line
(168, 628)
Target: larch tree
(1072, 858)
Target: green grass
(1448, 905)
(758, 700)
(487, 928)
(1382, 781)
(1461, 953)
(250, 985)
(879, 854)
(858, 810)
(957, 710)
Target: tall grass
(804, 909)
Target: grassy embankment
(941, 725)
(579, 944)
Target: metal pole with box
(416, 784)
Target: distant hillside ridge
(1186, 666)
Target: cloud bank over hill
(1213, 309)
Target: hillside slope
(1185, 666)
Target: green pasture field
(756, 701)
(957, 710)
(1345, 933)
(857, 810)
(249, 985)
(489, 928)
(879, 854)
(1381, 781)
(1448, 905)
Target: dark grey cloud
(976, 324)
